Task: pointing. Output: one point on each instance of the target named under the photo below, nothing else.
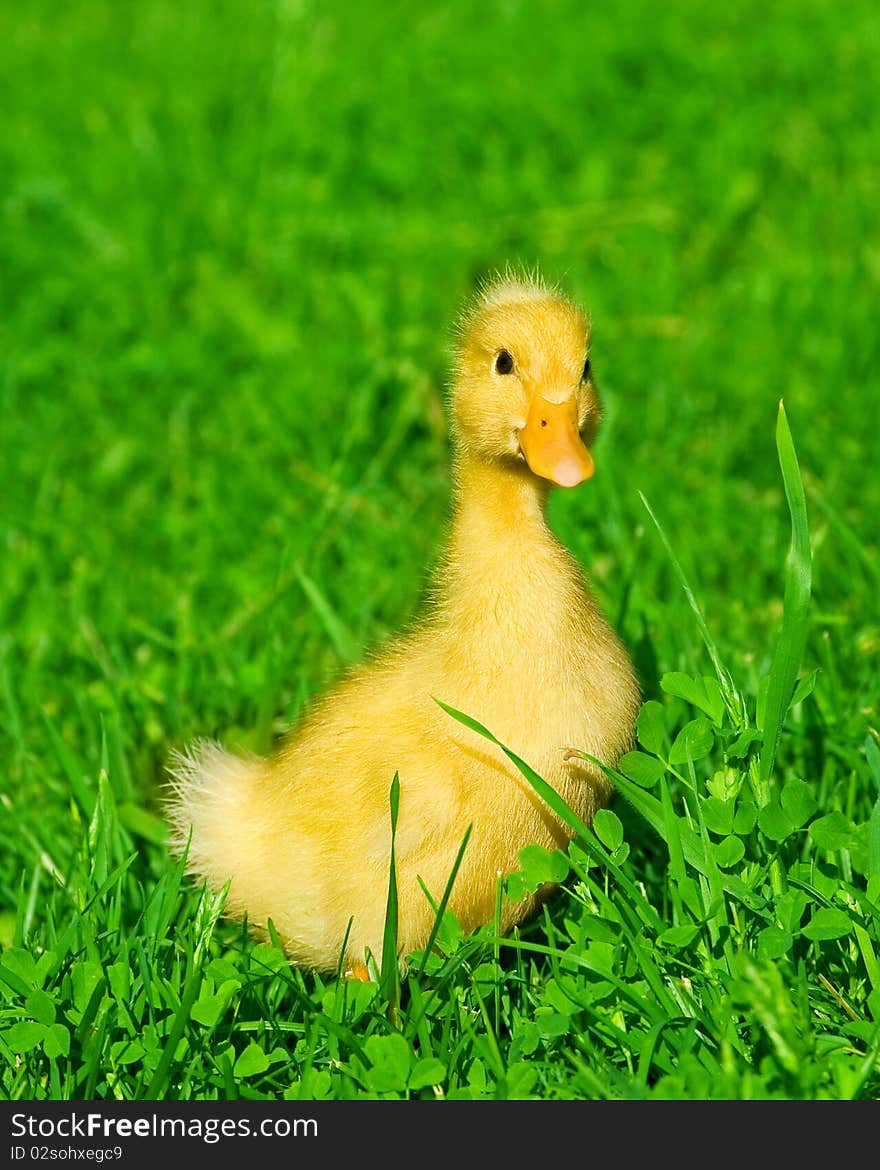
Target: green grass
(232, 243)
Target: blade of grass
(85, 796)
(343, 642)
(549, 794)
(672, 835)
(798, 579)
(489, 1038)
(872, 754)
(389, 977)
(544, 790)
(733, 700)
(847, 534)
(441, 907)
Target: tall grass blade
(872, 754)
(540, 785)
(798, 581)
(337, 631)
(441, 907)
(389, 976)
(562, 810)
(84, 795)
(733, 701)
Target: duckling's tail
(210, 793)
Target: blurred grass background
(233, 239)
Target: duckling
(512, 636)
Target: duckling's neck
(498, 502)
(500, 540)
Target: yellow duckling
(513, 638)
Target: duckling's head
(523, 393)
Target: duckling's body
(513, 638)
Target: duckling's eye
(504, 362)
(588, 370)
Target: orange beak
(552, 444)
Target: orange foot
(358, 970)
